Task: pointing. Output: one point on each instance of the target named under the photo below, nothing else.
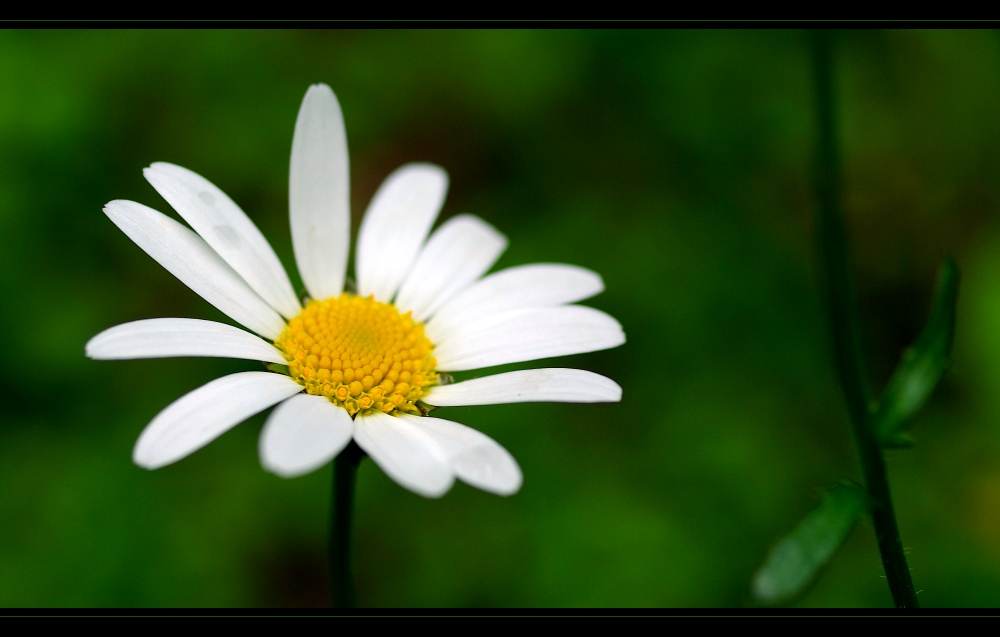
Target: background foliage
(676, 164)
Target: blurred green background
(674, 163)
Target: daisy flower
(367, 365)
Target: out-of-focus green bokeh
(674, 163)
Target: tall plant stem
(840, 301)
(345, 468)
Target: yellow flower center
(360, 353)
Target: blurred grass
(673, 163)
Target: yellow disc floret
(360, 353)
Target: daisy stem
(841, 305)
(345, 468)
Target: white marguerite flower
(365, 365)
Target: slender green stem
(842, 310)
(345, 468)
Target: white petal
(201, 416)
(319, 193)
(186, 255)
(536, 285)
(169, 337)
(302, 434)
(225, 227)
(475, 457)
(524, 335)
(407, 454)
(394, 227)
(458, 253)
(528, 386)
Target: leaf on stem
(920, 367)
(799, 557)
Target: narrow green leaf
(921, 365)
(274, 367)
(798, 558)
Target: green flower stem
(840, 301)
(345, 468)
